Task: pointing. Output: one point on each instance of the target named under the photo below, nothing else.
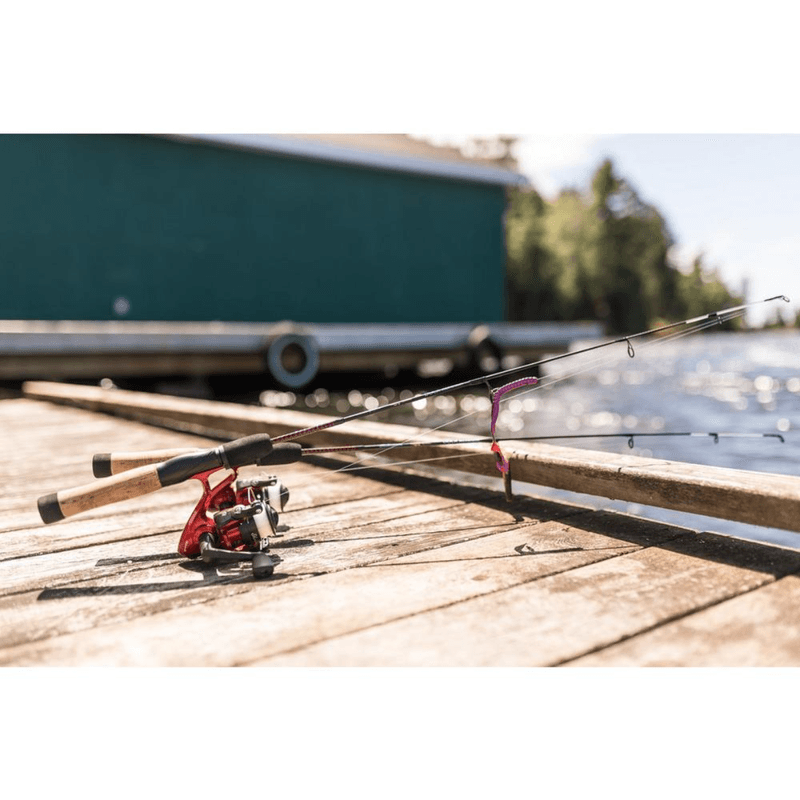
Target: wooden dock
(378, 568)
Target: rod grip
(106, 464)
(151, 477)
(286, 453)
(68, 502)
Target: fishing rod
(715, 317)
(496, 394)
(234, 519)
(506, 472)
(630, 436)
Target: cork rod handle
(66, 503)
(106, 464)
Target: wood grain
(551, 620)
(273, 617)
(757, 629)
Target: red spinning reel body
(234, 519)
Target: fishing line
(591, 365)
(356, 466)
(715, 315)
(646, 347)
(707, 320)
(503, 464)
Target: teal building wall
(187, 231)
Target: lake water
(721, 382)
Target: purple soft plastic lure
(496, 394)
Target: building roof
(395, 152)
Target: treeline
(602, 255)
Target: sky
(733, 197)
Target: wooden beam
(755, 498)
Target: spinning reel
(234, 521)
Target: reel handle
(151, 477)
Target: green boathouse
(246, 228)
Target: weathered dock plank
(552, 620)
(758, 629)
(377, 568)
(298, 611)
(265, 618)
